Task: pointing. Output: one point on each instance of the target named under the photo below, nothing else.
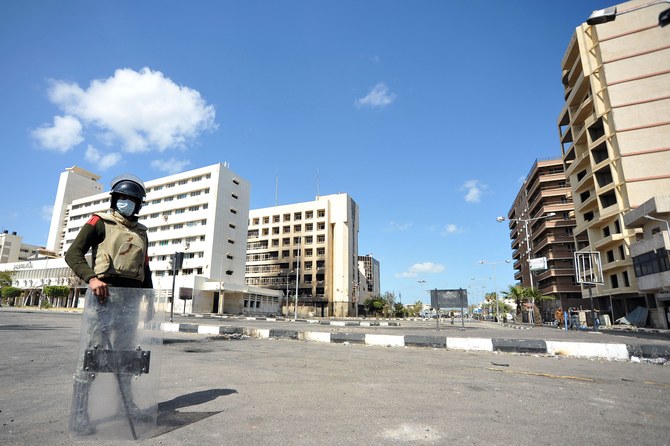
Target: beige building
(651, 261)
(12, 248)
(315, 242)
(614, 131)
(543, 193)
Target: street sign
(448, 298)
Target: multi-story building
(651, 256)
(543, 207)
(614, 132)
(203, 213)
(12, 248)
(74, 183)
(368, 271)
(315, 241)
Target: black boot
(80, 423)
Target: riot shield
(116, 382)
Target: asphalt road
(283, 392)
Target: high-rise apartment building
(614, 132)
(315, 241)
(537, 234)
(368, 270)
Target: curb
(587, 350)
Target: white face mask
(125, 207)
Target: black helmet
(130, 185)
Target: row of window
(182, 196)
(297, 216)
(308, 252)
(177, 241)
(188, 224)
(176, 211)
(286, 241)
(309, 227)
(179, 183)
(651, 262)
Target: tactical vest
(123, 251)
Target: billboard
(449, 298)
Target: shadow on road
(170, 418)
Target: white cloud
(417, 268)
(378, 97)
(170, 166)
(64, 134)
(474, 190)
(450, 229)
(394, 227)
(46, 212)
(102, 162)
(139, 110)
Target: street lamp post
(525, 222)
(495, 284)
(609, 14)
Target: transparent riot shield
(116, 382)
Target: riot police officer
(119, 247)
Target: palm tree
(518, 294)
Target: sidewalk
(474, 336)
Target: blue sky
(427, 113)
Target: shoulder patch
(93, 220)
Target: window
(275, 230)
(287, 229)
(231, 241)
(321, 251)
(182, 182)
(195, 193)
(297, 228)
(231, 226)
(236, 181)
(309, 215)
(309, 227)
(321, 238)
(287, 217)
(180, 211)
(610, 256)
(256, 221)
(233, 211)
(266, 220)
(321, 213)
(297, 216)
(614, 281)
(169, 199)
(181, 196)
(275, 219)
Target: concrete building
(12, 248)
(544, 192)
(74, 183)
(614, 132)
(203, 213)
(651, 261)
(369, 274)
(315, 242)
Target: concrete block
(478, 344)
(317, 336)
(587, 350)
(352, 338)
(537, 346)
(385, 340)
(425, 341)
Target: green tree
(518, 294)
(55, 292)
(9, 292)
(399, 310)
